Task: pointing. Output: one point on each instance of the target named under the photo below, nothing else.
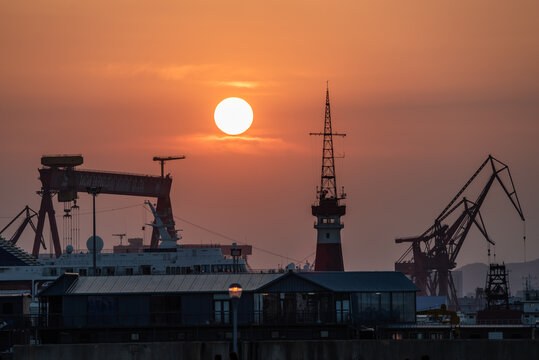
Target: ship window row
(147, 270)
(196, 269)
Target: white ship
(20, 271)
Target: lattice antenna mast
(328, 183)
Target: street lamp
(234, 291)
(94, 190)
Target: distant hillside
(474, 275)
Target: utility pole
(163, 159)
(94, 190)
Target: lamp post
(234, 291)
(94, 190)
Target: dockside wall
(279, 350)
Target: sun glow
(233, 116)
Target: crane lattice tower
(328, 208)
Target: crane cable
(237, 241)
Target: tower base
(328, 257)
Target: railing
(104, 251)
(143, 249)
(302, 317)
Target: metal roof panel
(358, 281)
(88, 285)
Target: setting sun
(233, 116)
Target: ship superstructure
(20, 270)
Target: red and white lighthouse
(328, 208)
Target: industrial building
(292, 305)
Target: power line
(111, 209)
(234, 240)
(89, 212)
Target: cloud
(236, 138)
(239, 144)
(172, 72)
(240, 84)
(166, 72)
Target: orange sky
(425, 92)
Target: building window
(258, 308)
(146, 269)
(82, 272)
(403, 306)
(342, 310)
(327, 235)
(129, 271)
(221, 311)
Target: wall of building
(277, 350)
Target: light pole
(94, 190)
(234, 291)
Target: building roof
(140, 284)
(360, 281)
(72, 284)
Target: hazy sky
(424, 90)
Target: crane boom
(163, 159)
(434, 252)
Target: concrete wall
(279, 350)
(134, 351)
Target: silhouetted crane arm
(433, 254)
(444, 212)
(162, 160)
(512, 193)
(27, 220)
(459, 230)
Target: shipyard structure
(170, 300)
(328, 208)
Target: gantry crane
(59, 176)
(432, 255)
